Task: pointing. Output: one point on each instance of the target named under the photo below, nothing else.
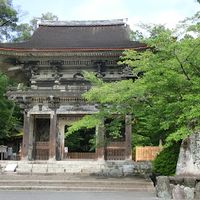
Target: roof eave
(69, 49)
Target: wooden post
(59, 143)
(25, 143)
(100, 143)
(128, 132)
(62, 142)
(30, 143)
(52, 139)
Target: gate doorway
(81, 144)
(41, 132)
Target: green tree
(136, 35)
(8, 19)
(10, 115)
(164, 100)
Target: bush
(165, 162)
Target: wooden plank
(80, 155)
(147, 153)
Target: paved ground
(44, 195)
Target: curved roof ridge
(83, 23)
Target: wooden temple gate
(51, 68)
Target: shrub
(165, 162)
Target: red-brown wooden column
(25, 143)
(128, 132)
(52, 139)
(100, 146)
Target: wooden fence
(146, 153)
(80, 155)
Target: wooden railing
(115, 151)
(146, 153)
(80, 155)
(115, 154)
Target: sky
(167, 12)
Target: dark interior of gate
(81, 144)
(41, 131)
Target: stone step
(75, 183)
(22, 182)
(72, 188)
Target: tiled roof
(79, 35)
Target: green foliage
(8, 19)
(10, 117)
(10, 30)
(81, 141)
(140, 140)
(88, 121)
(113, 128)
(136, 35)
(92, 78)
(165, 162)
(23, 32)
(164, 100)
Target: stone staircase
(75, 175)
(73, 182)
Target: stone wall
(186, 183)
(126, 168)
(178, 187)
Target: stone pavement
(75, 195)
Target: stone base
(100, 168)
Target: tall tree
(8, 19)
(164, 100)
(8, 23)
(10, 116)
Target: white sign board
(3, 149)
(10, 168)
(66, 149)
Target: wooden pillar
(25, 143)
(30, 139)
(52, 139)
(128, 132)
(62, 142)
(100, 143)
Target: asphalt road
(74, 195)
